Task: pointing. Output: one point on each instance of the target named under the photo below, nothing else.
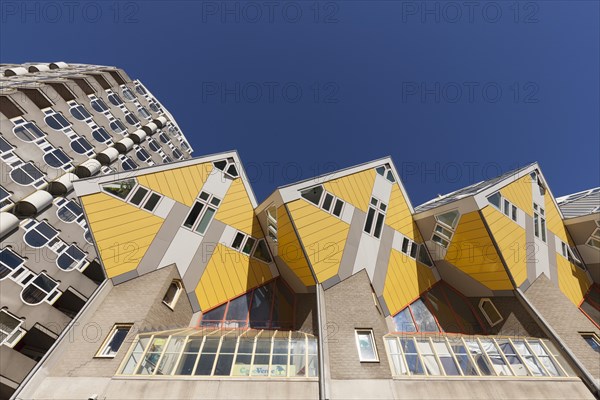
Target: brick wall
(349, 305)
(566, 319)
(138, 301)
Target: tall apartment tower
(60, 122)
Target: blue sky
(455, 92)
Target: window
(56, 121)
(117, 126)
(272, 223)
(444, 228)
(128, 164)
(202, 213)
(129, 96)
(270, 306)
(154, 146)
(163, 138)
(140, 89)
(592, 340)
(99, 106)
(114, 340)
(5, 147)
(10, 329)
(473, 356)
(539, 222)
(131, 119)
(142, 154)
(80, 113)
(177, 154)
(40, 289)
(423, 256)
(56, 158)
(115, 99)
(144, 113)
(4, 197)
(275, 354)
(101, 135)
(26, 174)
(9, 261)
(386, 172)
(568, 252)
(246, 244)
(375, 218)
(151, 202)
(27, 131)
(313, 194)
(490, 312)
(81, 145)
(121, 189)
(367, 351)
(68, 210)
(594, 239)
(40, 235)
(173, 292)
(228, 166)
(70, 258)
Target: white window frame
(594, 237)
(539, 222)
(272, 222)
(173, 302)
(379, 208)
(386, 171)
(109, 338)
(16, 334)
(207, 204)
(485, 314)
(373, 345)
(50, 297)
(443, 239)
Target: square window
(593, 341)
(365, 344)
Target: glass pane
(186, 365)
(437, 305)
(313, 366)
(138, 196)
(423, 317)
(337, 209)
(261, 307)
(327, 202)
(450, 219)
(260, 366)
(446, 358)
(298, 365)
(242, 365)
(132, 362)
(238, 309)
(213, 316)
(404, 321)
(152, 202)
(313, 195)
(479, 358)
(237, 241)
(366, 347)
(261, 252)
(205, 364)
(515, 362)
(248, 246)
(205, 220)
(463, 312)
(369, 221)
(223, 367)
(120, 189)
(167, 363)
(379, 225)
(193, 215)
(279, 365)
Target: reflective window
(115, 99)
(144, 113)
(26, 174)
(128, 164)
(117, 126)
(270, 306)
(455, 356)
(120, 189)
(142, 154)
(128, 94)
(153, 145)
(80, 113)
(278, 354)
(69, 211)
(140, 89)
(40, 235)
(131, 119)
(56, 158)
(56, 121)
(313, 194)
(365, 344)
(100, 135)
(113, 342)
(81, 145)
(70, 258)
(177, 154)
(202, 212)
(163, 138)
(99, 105)
(386, 172)
(28, 132)
(38, 290)
(9, 261)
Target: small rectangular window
(592, 340)
(193, 215)
(237, 241)
(205, 220)
(405, 242)
(152, 202)
(365, 343)
(337, 209)
(514, 213)
(327, 202)
(114, 340)
(248, 246)
(139, 196)
(506, 207)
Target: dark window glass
(4, 145)
(99, 106)
(261, 252)
(193, 215)
(379, 225)
(120, 189)
(81, 145)
(337, 209)
(28, 132)
(142, 154)
(33, 295)
(437, 305)
(177, 154)
(56, 158)
(138, 196)
(117, 126)
(232, 170)
(495, 199)
(45, 283)
(153, 145)
(261, 307)
(413, 250)
(216, 314)
(248, 246)
(220, 164)
(405, 243)
(152, 202)
(423, 317)
(237, 241)
(115, 99)
(101, 135)
(327, 202)
(313, 195)
(80, 113)
(369, 221)
(131, 119)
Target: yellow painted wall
(519, 193)
(405, 280)
(236, 210)
(511, 240)
(572, 281)
(399, 217)
(356, 189)
(181, 184)
(473, 252)
(322, 235)
(289, 249)
(554, 222)
(229, 274)
(122, 232)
